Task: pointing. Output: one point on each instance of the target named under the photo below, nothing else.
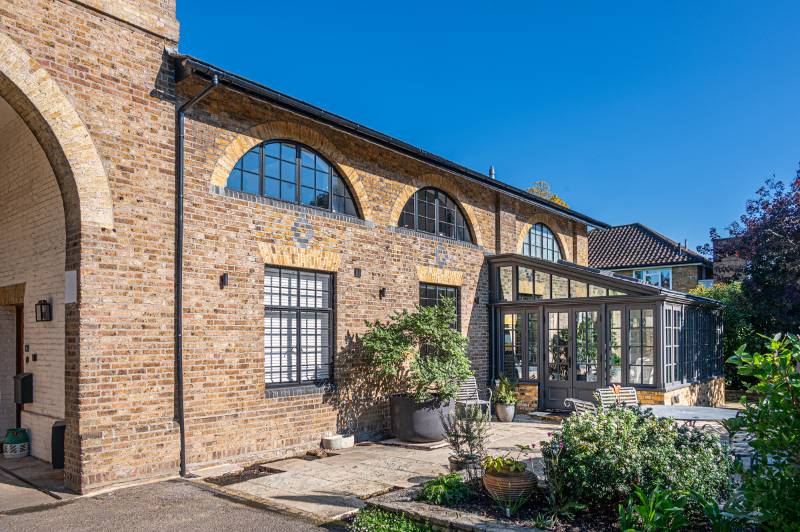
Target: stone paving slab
(335, 487)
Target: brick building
(221, 323)
(635, 250)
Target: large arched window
(432, 211)
(292, 172)
(541, 243)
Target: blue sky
(667, 113)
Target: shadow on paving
(169, 505)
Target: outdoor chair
(623, 397)
(469, 395)
(580, 406)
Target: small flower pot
(508, 487)
(505, 413)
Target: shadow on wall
(361, 396)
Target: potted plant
(508, 480)
(466, 430)
(505, 400)
(423, 354)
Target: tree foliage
(737, 320)
(421, 349)
(542, 189)
(767, 237)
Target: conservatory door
(572, 347)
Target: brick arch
(51, 117)
(555, 228)
(444, 184)
(281, 130)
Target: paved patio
(333, 488)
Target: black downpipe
(179, 181)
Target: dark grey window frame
(415, 225)
(299, 310)
(298, 168)
(529, 244)
(440, 288)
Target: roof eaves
(187, 65)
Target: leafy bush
(376, 520)
(660, 510)
(737, 320)
(504, 394)
(422, 350)
(598, 460)
(771, 486)
(446, 490)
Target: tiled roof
(635, 245)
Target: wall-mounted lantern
(382, 293)
(44, 311)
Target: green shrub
(446, 490)
(505, 394)
(598, 460)
(771, 487)
(659, 510)
(376, 520)
(421, 351)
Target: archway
(57, 202)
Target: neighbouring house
(728, 265)
(635, 250)
(209, 250)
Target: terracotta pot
(505, 413)
(508, 487)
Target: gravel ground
(170, 505)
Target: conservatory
(563, 330)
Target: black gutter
(187, 66)
(180, 127)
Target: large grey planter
(417, 422)
(505, 413)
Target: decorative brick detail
(36, 84)
(282, 130)
(432, 274)
(306, 259)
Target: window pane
(505, 283)
(533, 346)
(250, 161)
(541, 243)
(558, 345)
(615, 348)
(296, 342)
(597, 291)
(578, 289)
(524, 283)
(542, 285)
(512, 346)
(560, 287)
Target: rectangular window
(640, 346)
(524, 283)
(558, 339)
(533, 346)
(615, 348)
(542, 285)
(661, 277)
(505, 283)
(431, 295)
(298, 326)
(560, 287)
(578, 289)
(512, 346)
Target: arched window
(432, 211)
(292, 172)
(541, 243)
